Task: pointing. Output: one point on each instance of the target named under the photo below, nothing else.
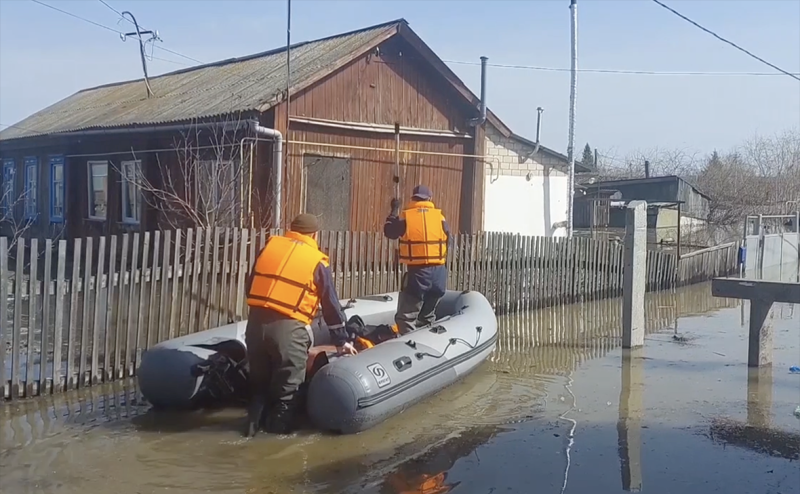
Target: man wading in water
(289, 281)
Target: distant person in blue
(424, 239)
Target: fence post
(633, 274)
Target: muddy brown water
(558, 408)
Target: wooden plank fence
(77, 313)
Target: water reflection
(757, 433)
(629, 425)
(76, 441)
(421, 467)
(759, 396)
(557, 341)
(427, 473)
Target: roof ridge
(245, 58)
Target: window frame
(90, 189)
(127, 218)
(9, 185)
(31, 199)
(56, 161)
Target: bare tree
(209, 179)
(663, 161)
(762, 176)
(12, 225)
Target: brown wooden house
(201, 148)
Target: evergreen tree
(588, 157)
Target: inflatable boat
(344, 394)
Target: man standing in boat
(290, 279)
(424, 237)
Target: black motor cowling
(226, 380)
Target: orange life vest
(424, 242)
(283, 278)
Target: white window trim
(31, 193)
(90, 188)
(135, 218)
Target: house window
(57, 189)
(7, 198)
(98, 189)
(131, 191)
(31, 187)
(217, 190)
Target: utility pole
(573, 7)
(288, 78)
(139, 32)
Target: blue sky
(46, 56)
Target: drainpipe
(535, 150)
(482, 118)
(277, 161)
(539, 110)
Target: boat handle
(402, 363)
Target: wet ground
(559, 408)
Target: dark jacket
(331, 308)
(420, 280)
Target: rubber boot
(281, 419)
(254, 413)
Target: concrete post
(760, 344)
(634, 275)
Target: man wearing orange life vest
(289, 281)
(424, 237)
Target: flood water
(558, 408)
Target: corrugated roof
(252, 83)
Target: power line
(114, 10)
(152, 57)
(725, 40)
(77, 16)
(115, 31)
(612, 71)
(178, 54)
(461, 62)
(157, 46)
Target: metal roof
(645, 180)
(253, 83)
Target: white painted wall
(525, 195)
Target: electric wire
(462, 62)
(111, 29)
(156, 46)
(712, 33)
(613, 71)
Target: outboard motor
(225, 379)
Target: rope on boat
(451, 342)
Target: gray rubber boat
(351, 394)
(346, 394)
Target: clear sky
(46, 56)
